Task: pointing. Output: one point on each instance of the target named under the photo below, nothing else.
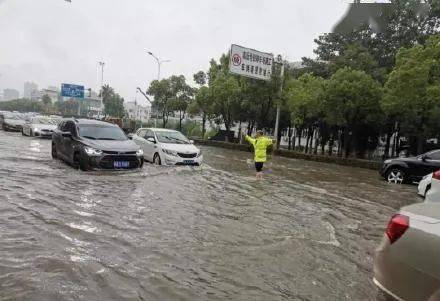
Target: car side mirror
(130, 136)
(151, 139)
(66, 134)
(424, 158)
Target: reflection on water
(307, 232)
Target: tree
(162, 93)
(352, 103)
(412, 92)
(202, 104)
(226, 101)
(182, 96)
(113, 102)
(46, 100)
(200, 78)
(305, 98)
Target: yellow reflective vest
(260, 146)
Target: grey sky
(53, 41)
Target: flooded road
(307, 232)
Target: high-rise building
(29, 89)
(10, 94)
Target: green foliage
(46, 100)
(113, 102)
(22, 105)
(412, 92)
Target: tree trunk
(331, 144)
(289, 134)
(239, 133)
(420, 144)
(293, 138)
(386, 153)
(339, 143)
(299, 138)
(315, 151)
(347, 142)
(307, 142)
(203, 125)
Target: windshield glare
(47, 121)
(97, 132)
(172, 137)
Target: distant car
(424, 185)
(433, 194)
(90, 144)
(40, 126)
(412, 169)
(12, 122)
(407, 261)
(167, 147)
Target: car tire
(395, 175)
(156, 159)
(22, 132)
(54, 151)
(83, 164)
(31, 133)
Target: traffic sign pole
(277, 121)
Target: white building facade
(137, 112)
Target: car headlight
(92, 152)
(169, 152)
(36, 130)
(199, 154)
(139, 153)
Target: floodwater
(307, 232)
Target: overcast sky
(53, 41)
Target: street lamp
(159, 63)
(102, 64)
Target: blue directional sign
(68, 90)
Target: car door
(57, 139)
(68, 142)
(150, 147)
(432, 161)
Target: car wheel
(156, 159)
(395, 176)
(76, 159)
(54, 151)
(31, 133)
(22, 132)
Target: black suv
(412, 169)
(89, 144)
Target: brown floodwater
(307, 232)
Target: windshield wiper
(89, 137)
(176, 139)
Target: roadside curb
(367, 164)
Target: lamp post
(159, 64)
(102, 64)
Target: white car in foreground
(433, 194)
(167, 147)
(424, 185)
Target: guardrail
(368, 164)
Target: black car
(91, 144)
(412, 169)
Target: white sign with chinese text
(251, 63)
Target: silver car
(40, 126)
(407, 263)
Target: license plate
(121, 164)
(188, 161)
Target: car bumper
(12, 128)
(173, 160)
(421, 189)
(43, 134)
(107, 162)
(397, 278)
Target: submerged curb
(367, 164)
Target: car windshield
(47, 121)
(171, 137)
(100, 132)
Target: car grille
(119, 153)
(107, 162)
(187, 155)
(47, 131)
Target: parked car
(433, 194)
(167, 147)
(412, 169)
(91, 144)
(12, 122)
(407, 261)
(424, 185)
(40, 126)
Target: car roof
(83, 121)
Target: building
(53, 94)
(10, 94)
(92, 105)
(29, 88)
(137, 112)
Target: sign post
(259, 65)
(73, 91)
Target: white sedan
(40, 126)
(167, 147)
(433, 194)
(424, 185)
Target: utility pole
(159, 64)
(277, 121)
(102, 64)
